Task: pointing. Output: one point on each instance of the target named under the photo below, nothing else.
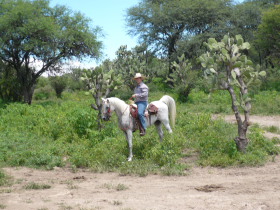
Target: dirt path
(263, 121)
(204, 188)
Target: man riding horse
(141, 93)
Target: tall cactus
(100, 83)
(183, 77)
(127, 64)
(232, 71)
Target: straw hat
(138, 75)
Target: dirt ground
(208, 188)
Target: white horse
(166, 109)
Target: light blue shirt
(141, 91)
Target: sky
(110, 16)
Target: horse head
(107, 109)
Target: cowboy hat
(138, 75)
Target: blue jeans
(141, 112)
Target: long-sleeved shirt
(141, 91)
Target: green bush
(44, 93)
(158, 84)
(271, 82)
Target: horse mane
(116, 102)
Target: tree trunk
(99, 118)
(98, 106)
(27, 80)
(28, 94)
(241, 141)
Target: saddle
(150, 110)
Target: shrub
(43, 93)
(59, 83)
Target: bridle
(108, 112)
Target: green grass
(36, 186)
(118, 187)
(59, 132)
(4, 179)
(2, 206)
(271, 129)
(266, 103)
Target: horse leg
(128, 135)
(159, 129)
(167, 126)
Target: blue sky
(110, 16)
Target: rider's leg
(141, 113)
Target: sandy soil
(203, 188)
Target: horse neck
(120, 106)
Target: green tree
(59, 83)
(268, 36)
(31, 32)
(233, 72)
(9, 87)
(244, 20)
(161, 24)
(265, 3)
(74, 79)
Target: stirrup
(142, 133)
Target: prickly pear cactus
(128, 64)
(231, 70)
(183, 77)
(100, 84)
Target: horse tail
(170, 102)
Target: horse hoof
(129, 159)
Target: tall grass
(59, 132)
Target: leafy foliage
(268, 35)
(9, 87)
(59, 83)
(162, 24)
